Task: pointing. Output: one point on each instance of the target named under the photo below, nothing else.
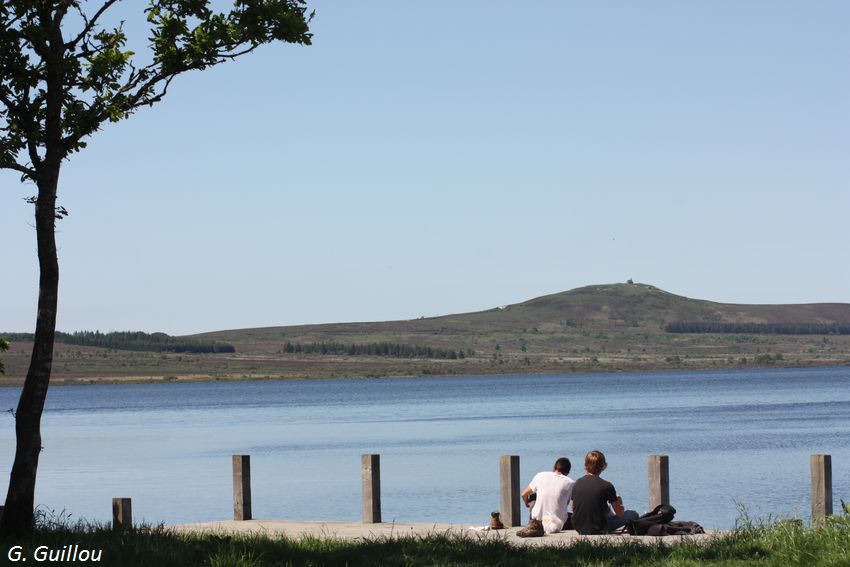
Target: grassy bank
(752, 544)
(89, 365)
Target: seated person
(594, 498)
(552, 490)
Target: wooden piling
(509, 492)
(659, 480)
(122, 513)
(370, 475)
(821, 466)
(241, 487)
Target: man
(553, 491)
(591, 499)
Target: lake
(735, 438)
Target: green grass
(752, 543)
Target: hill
(595, 328)
(611, 307)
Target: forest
(132, 340)
(758, 328)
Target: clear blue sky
(441, 157)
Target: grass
(752, 543)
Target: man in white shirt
(553, 490)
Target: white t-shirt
(553, 497)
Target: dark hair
(563, 465)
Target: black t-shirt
(591, 496)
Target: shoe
(496, 522)
(533, 529)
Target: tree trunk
(18, 514)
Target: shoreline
(6, 382)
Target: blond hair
(594, 462)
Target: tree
(4, 345)
(63, 74)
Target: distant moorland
(612, 327)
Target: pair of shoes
(496, 522)
(533, 529)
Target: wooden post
(122, 513)
(509, 494)
(821, 487)
(659, 480)
(370, 475)
(241, 487)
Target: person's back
(591, 495)
(553, 490)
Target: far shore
(595, 329)
(11, 382)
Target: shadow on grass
(751, 543)
(161, 547)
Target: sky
(422, 159)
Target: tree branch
(11, 107)
(31, 173)
(61, 10)
(14, 21)
(89, 24)
(236, 54)
(20, 109)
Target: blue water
(734, 438)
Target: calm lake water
(732, 437)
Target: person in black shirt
(591, 499)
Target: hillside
(595, 328)
(611, 307)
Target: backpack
(661, 514)
(675, 528)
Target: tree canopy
(64, 74)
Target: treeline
(759, 328)
(132, 340)
(377, 349)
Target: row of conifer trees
(758, 328)
(133, 340)
(397, 350)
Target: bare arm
(617, 505)
(525, 494)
